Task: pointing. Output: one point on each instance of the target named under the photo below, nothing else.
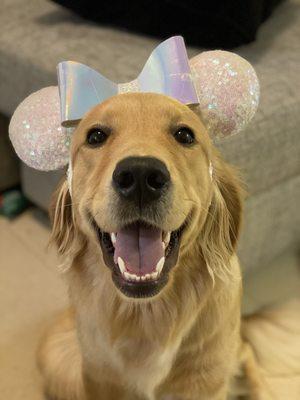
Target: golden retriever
(147, 228)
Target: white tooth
(113, 238)
(137, 278)
(127, 275)
(159, 265)
(164, 245)
(121, 265)
(143, 278)
(147, 276)
(154, 275)
(167, 238)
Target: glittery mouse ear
(228, 91)
(36, 133)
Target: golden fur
(185, 343)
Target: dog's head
(147, 187)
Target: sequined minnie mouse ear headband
(223, 85)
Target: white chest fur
(138, 365)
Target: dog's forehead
(133, 107)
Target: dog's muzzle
(140, 253)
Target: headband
(222, 84)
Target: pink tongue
(140, 247)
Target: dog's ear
(232, 193)
(221, 229)
(61, 215)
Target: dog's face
(142, 185)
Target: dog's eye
(184, 136)
(96, 137)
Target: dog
(147, 228)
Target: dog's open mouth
(140, 257)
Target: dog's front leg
(223, 395)
(106, 391)
(197, 384)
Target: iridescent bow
(167, 71)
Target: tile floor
(31, 290)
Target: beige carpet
(31, 291)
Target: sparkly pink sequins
(228, 91)
(36, 132)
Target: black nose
(141, 179)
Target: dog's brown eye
(96, 137)
(184, 136)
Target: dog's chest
(142, 364)
(147, 363)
